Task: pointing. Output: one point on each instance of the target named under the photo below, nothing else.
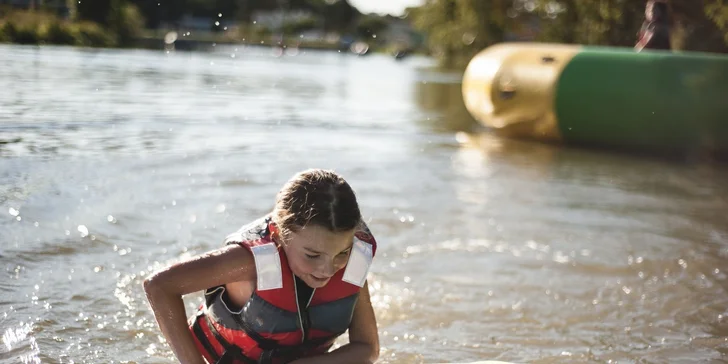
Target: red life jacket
(271, 327)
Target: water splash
(14, 336)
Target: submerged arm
(165, 288)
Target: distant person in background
(655, 31)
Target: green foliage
(299, 26)
(60, 33)
(604, 22)
(93, 35)
(700, 25)
(126, 22)
(717, 11)
(458, 29)
(29, 27)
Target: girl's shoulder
(250, 233)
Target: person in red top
(282, 288)
(655, 31)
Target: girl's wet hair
(660, 11)
(316, 197)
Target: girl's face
(315, 254)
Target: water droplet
(468, 38)
(83, 230)
(13, 211)
(626, 289)
(682, 263)
(220, 208)
(407, 279)
(219, 15)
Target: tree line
(458, 29)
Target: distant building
(275, 19)
(400, 32)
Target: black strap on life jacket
(197, 329)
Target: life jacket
(271, 327)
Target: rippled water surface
(114, 163)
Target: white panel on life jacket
(359, 262)
(268, 266)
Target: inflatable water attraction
(601, 96)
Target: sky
(394, 7)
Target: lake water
(114, 163)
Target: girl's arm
(363, 346)
(165, 288)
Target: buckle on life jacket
(266, 357)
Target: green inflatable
(601, 96)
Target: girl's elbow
(153, 285)
(374, 351)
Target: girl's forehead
(323, 240)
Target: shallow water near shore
(114, 163)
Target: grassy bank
(38, 27)
(29, 27)
(289, 41)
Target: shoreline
(209, 44)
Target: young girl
(283, 287)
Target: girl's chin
(315, 282)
